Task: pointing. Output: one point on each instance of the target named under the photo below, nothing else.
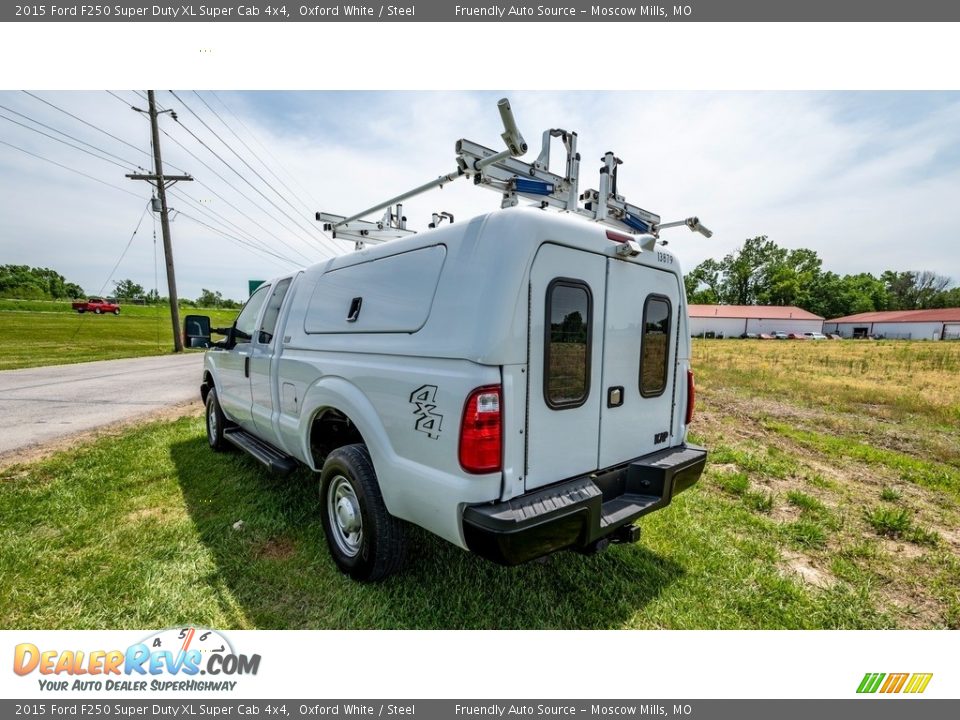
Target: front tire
(366, 542)
(117, 311)
(97, 311)
(216, 422)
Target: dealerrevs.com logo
(909, 683)
(173, 659)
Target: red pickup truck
(96, 305)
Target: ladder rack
(514, 179)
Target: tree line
(763, 273)
(33, 283)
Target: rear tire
(97, 311)
(81, 311)
(216, 422)
(366, 542)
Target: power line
(124, 253)
(85, 122)
(250, 150)
(115, 266)
(220, 219)
(235, 239)
(73, 170)
(272, 156)
(245, 197)
(330, 248)
(64, 142)
(131, 107)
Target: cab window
(247, 319)
(269, 323)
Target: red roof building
(939, 324)
(737, 320)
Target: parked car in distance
(748, 336)
(765, 336)
(814, 336)
(834, 336)
(779, 335)
(797, 336)
(96, 305)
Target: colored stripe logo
(913, 683)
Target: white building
(943, 324)
(734, 320)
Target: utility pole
(161, 182)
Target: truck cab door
(233, 365)
(266, 349)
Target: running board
(275, 460)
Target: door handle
(354, 311)
(246, 366)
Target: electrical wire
(140, 113)
(245, 197)
(87, 123)
(259, 159)
(73, 170)
(115, 266)
(64, 142)
(220, 220)
(325, 243)
(236, 239)
(272, 157)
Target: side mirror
(196, 331)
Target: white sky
(868, 180)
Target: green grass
(859, 445)
(792, 526)
(50, 333)
(138, 532)
(889, 494)
(806, 534)
(889, 522)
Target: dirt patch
(276, 549)
(803, 567)
(41, 451)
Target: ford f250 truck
(518, 384)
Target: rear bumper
(576, 513)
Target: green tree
(73, 291)
(208, 298)
(127, 289)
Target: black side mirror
(196, 331)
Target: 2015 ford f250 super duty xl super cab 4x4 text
(517, 384)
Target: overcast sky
(868, 180)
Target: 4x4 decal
(425, 400)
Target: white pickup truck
(517, 384)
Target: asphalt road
(39, 405)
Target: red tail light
(691, 397)
(481, 432)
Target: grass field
(831, 500)
(50, 333)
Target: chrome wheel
(211, 420)
(343, 509)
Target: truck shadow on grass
(276, 566)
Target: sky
(867, 179)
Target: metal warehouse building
(734, 320)
(941, 324)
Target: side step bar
(275, 460)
